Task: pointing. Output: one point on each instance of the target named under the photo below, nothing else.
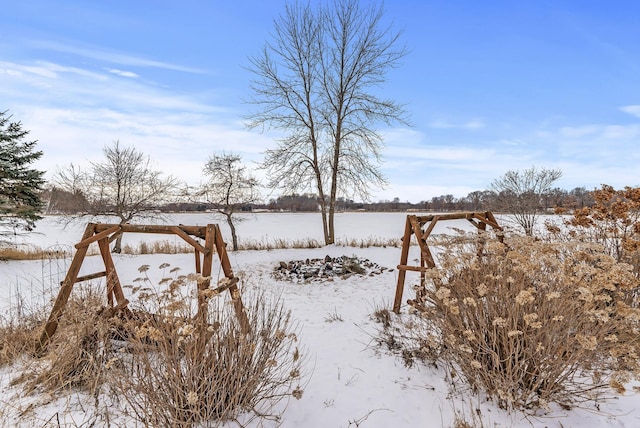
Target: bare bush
(521, 194)
(531, 322)
(183, 369)
(230, 188)
(123, 185)
(612, 221)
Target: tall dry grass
(13, 252)
(77, 356)
(17, 337)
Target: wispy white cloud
(101, 54)
(611, 132)
(633, 110)
(446, 124)
(579, 131)
(122, 73)
(512, 142)
(73, 113)
(76, 86)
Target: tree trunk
(117, 247)
(332, 211)
(334, 188)
(325, 227)
(234, 237)
(323, 209)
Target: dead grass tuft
(17, 337)
(278, 244)
(78, 352)
(157, 247)
(30, 253)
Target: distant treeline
(58, 201)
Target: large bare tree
(230, 187)
(319, 82)
(123, 185)
(521, 194)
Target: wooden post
(63, 296)
(228, 272)
(482, 227)
(404, 257)
(207, 265)
(198, 266)
(113, 282)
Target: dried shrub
(78, 352)
(17, 336)
(163, 361)
(182, 368)
(531, 322)
(613, 221)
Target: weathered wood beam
(98, 236)
(198, 231)
(413, 268)
(402, 273)
(90, 276)
(429, 229)
(195, 244)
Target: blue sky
(489, 86)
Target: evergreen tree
(20, 185)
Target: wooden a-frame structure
(421, 227)
(103, 234)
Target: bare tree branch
(521, 194)
(230, 188)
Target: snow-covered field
(353, 383)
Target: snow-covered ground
(352, 382)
